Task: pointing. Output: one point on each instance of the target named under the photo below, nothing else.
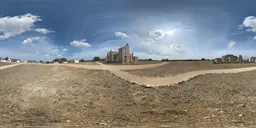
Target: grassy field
(173, 68)
(54, 95)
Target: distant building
(253, 60)
(229, 58)
(246, 60)
(240, 59)
(15, 60)
(217, 60)
(122, 56)
(3, 61)
(31, 61)
(73, 61)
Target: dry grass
(173, 68)
(139, 63)
(87, 63)
(4, 64)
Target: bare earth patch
(88, 63)
(55, 95)
(4, 64)
(174, 68)
(139, 63)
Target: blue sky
(174, 29)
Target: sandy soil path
(8, 66)
(156, 81)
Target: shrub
(82, 60)
(203, 59)
(96, 58)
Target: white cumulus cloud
(16, 25)
(157, 34)
(80, 43)
(176, 47)
(64, 50)
(121, 35)
(250, 23)
(32, 40)
(254, 37)
(231, 44)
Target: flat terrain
(87, 63)
(174, 68)
(4, 64)
(55, 95)
(139, 63)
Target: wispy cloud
(43, 30)
(231, 44)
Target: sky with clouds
(157, 29)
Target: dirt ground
(4, 64)
(55, 95)
(139, 63)
(87, 63)
(174, 68)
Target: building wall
(229, 59)
(123, 56)
(224, 59)
(135, 59)
(240, 59)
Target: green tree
(203, 59)
(96, 58)
(57, 60)
(82, 60)
(63, 60)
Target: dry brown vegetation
(55, 95)
(4, 64)
(87, 63)
(139, 63)
(174, 68)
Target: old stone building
(229, 58)
(253, 60)
(217, 60)
(122, 56)
(240, 59)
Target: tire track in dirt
(157, 81)
(8, 66)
